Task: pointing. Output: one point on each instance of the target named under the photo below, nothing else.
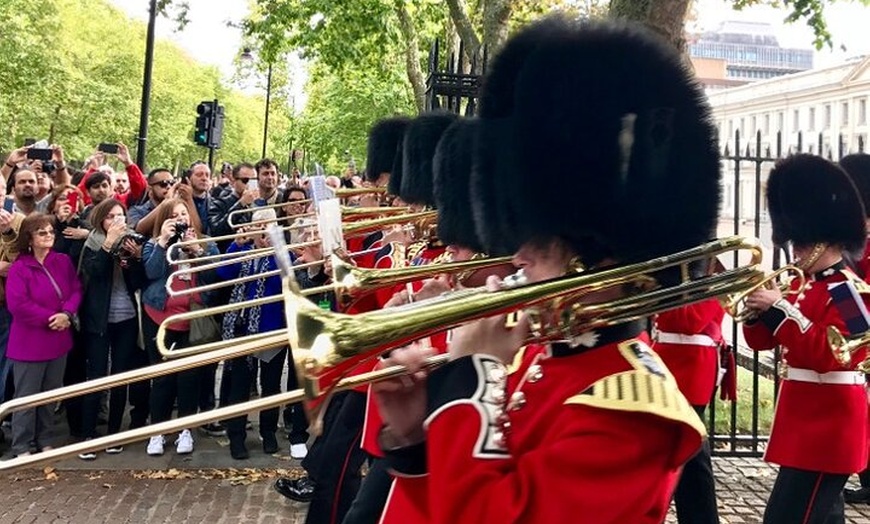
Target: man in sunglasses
(243, 194)
(160, 187)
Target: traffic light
(217, 128)
(205, 110)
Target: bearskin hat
(602, 138)
(857, 166)
(452, 170)
(384, 138)
(418, 150)
(394, 185)
(494, 220)
(812, 200)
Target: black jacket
(97, 274)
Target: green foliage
(71, 71)
(341, 108)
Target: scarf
(247, 321)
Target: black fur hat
(384, 138)
(494, 218)
(452, 168)
(418, 150)
(857, 166)
(607, 142)
(394, 186)
(812, 200)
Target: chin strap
(806, 263)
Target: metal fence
(739, 428)
(453, 89)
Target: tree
(61, 81)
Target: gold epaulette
(648, 388)
(443, 258)
(415, 249)
(860, 284)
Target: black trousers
(695, 496)
(139, 392)
(165, 389)
(371, 499)
(75, 373)
(206, 387)
(335, 459)
(240, 374)
(119, 340)
(806, 497)
(294, 414)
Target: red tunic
(583, 445)
(817, 427)
(689, 346)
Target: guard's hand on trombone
(402, 401)
(490, 336)
(762, 299)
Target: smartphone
(253, 185)
(29, 141)
(73, 200)
(111, 149)
(39, 154)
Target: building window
(742, 128)
(812, 125)
(844, 114)
(754, 127)
(827, 117)
(862, 112)
(780, 121)
(796, 121)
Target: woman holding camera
(111, 272)
(172, 224)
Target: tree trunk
(459, 15)
(665, 17)
(496, 15)
(412, 56)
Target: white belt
(688, 340)
(845, 378)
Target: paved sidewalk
(229, 494)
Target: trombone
(350, 281)
(349, 211)
(736, 304)
(421, 222)
(321, 338)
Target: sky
(209, 40)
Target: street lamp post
(249, 57)
(146, 87)
(268, 100)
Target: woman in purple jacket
(43, 294)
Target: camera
(43, 154)
(180, 229)
(118, 250)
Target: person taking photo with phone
(137, 183)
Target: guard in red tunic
(819, 434)
(857, 166)
(592, 164)
(688, 340)
(326, 484)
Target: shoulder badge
(414, 251)
(648, 388)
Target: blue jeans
(5, 365)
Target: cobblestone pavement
(187, 495)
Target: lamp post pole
(146, 87)
(268, 101)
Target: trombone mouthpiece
(515, 280)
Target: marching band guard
(819, 434)
(688, 339)
(857, 166)
(560, 440)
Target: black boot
(857, 496)
(238, 449)
(300, 490)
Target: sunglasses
(245, 180)
(43, 233)
(165, 184)
(295, 200)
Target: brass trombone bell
(843, 348)
(736, 305)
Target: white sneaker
(298, 451)
(155, 446)
(184, 443)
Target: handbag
(73, 316)
(203, 329)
